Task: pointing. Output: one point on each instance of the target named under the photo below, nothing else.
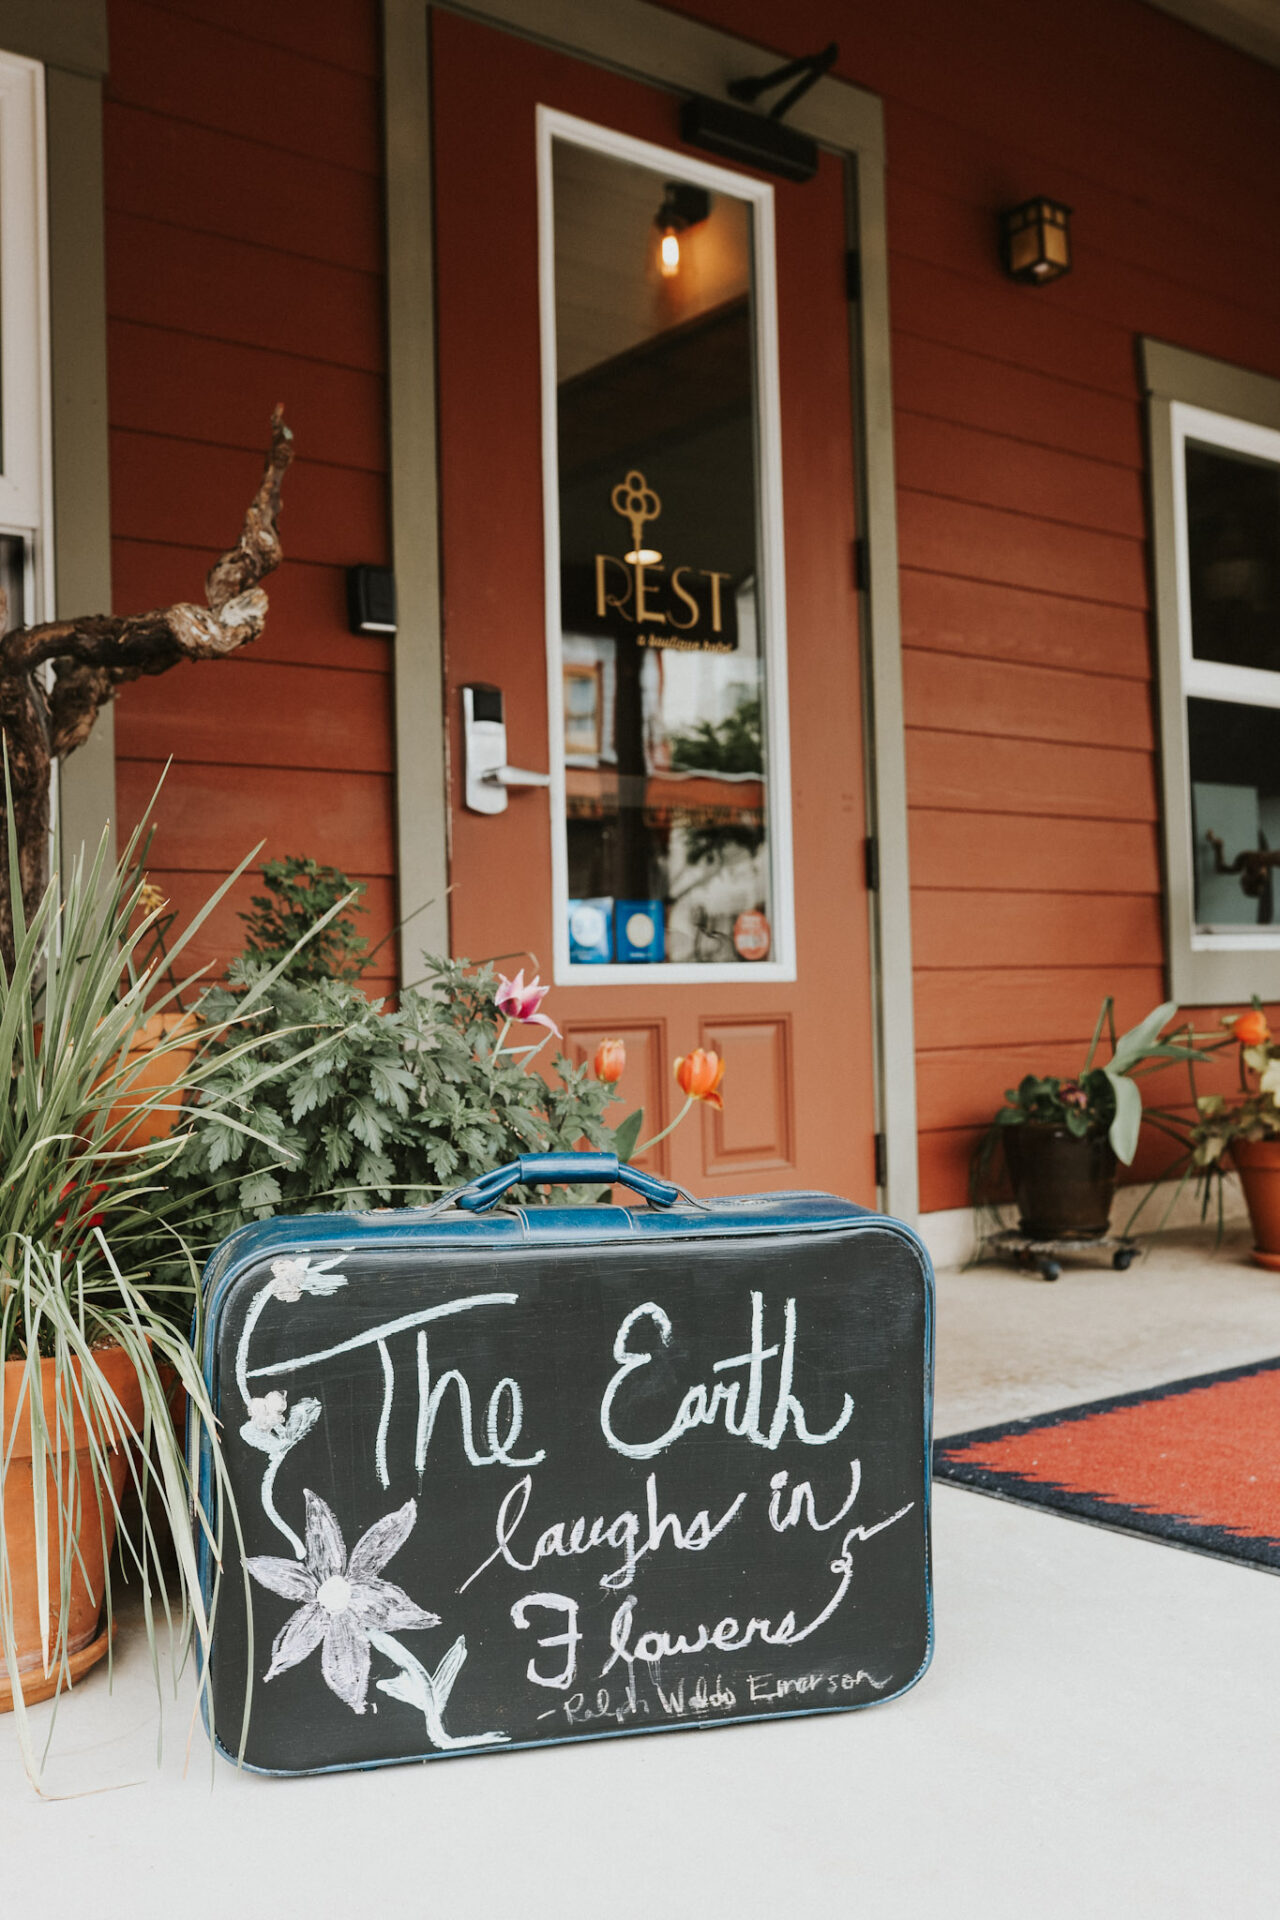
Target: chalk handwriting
(802, 1502)
(628, 1534)
(729, 1635)
(705, 1403)
(554, 1602)
(430, 1398)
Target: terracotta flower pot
(157, 1073)
(1063, 1186)
(96, 1535)
(1258, 1164)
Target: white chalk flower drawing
(347, 1610)
(302, 1273)
(267, 1415)
(343, 1600)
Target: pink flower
(516, 1001)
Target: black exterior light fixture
(758, 139)
(682, 207)
(1035, 241)
(371, 600)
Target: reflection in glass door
(666, 644)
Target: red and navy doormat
(1195, 1463)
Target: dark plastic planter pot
(1063, 1187)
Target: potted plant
(1245, 1128)
(1062, 1138)
(95, 1341)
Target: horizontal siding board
(1005, 700)
(213, 182)
(984, 543)
(1029, 332)
(194, 389)
(1159, 232)
(990, 929)
(964, 463)
(960, 236)
(211, 816)
(307, 611)
(993, 622)
(982, 390)
(178, 491)
(973, 773)
(944, 1167)
(1022, 853)
(254, 296)
(994, 1007)
(253, 714)
(343, 33)
(206, 74)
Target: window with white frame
(1215, 450)
(26, 558)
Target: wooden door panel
(753, 1134)
(798, 1087)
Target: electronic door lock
(487, 777)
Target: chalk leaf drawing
(429, 1692)
(343, 1600)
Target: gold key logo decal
(638, 503)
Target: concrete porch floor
(1099, 1733)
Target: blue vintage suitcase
(512, 1476)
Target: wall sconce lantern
(683, 207)
(1035, 240)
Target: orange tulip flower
(610, 1061)
(698, 1074)
(1251, 1028)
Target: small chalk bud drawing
(345, 1608)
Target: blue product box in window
(591, 931)
(641, 930)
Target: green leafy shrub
(331, 1100)
(300, 894)
(391, 1106)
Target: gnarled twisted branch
(56, 678)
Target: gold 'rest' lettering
(605, 599)
(683, 593)
(642, 611)
(715, 579)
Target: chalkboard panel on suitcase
(558, 1472)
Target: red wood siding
(1031, 737)
(245, 266)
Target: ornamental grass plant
(95, 1331)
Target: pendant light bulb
(669, 253)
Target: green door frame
(647, 43)
(69, 37)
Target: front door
(647, 534)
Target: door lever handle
(514, 777)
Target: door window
(665, 595)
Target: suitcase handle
(564, 1169)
